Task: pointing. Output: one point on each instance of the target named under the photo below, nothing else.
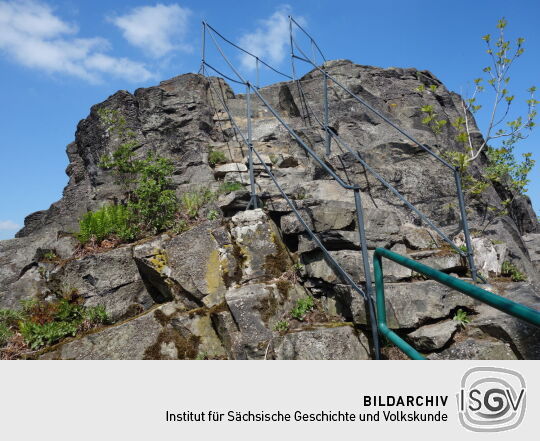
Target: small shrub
(302, 307)
(96, 315)
(461, 317)
(193, 201)
(36, 335)
(147, 184)
(216, 157)
(5, 334)
(108, 221)
(155, 202)
(298, 267)
(49, 256)
(508, 269)
(282, 326)
(42, 323)
(10, 317)
(301, 195)
(180, 226)
(228, 187)
(462, 248)
(213, 215)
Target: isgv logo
(491, 399)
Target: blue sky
(57, 58)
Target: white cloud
(270, 41)
(36, 38)
(157, 30)
(8, 225)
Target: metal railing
(367, 294)
(330, 134)
(502, 304)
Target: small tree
(501, 134)
(502, 162)
(151, 203)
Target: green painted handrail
(508, 306)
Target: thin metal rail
(507, 306)
(258, 60)
(337, 267)
(329, 133)
(356, 155)
(329, 136)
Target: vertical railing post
(257, 67)
(328, 139)
(203, 55)
(470, 254)
(367, 272)
(253, 193)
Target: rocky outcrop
(226, 288)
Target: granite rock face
(226, 288)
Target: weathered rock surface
(219, 289)
(476, 349)
(522, 337)
(532, 243)
(127, 341)
(432, 337)
(324, 343)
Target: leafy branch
(503, 55)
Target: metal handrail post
(381, 312)
(503, 304)
(365, 264)
(367, 298)
(253, 192)
(457, 176)
(465, 224)
(325, 92)
(203, 55)
(257, 67)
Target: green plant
(501, 133)
(298, 267)
(302, 307)
(228, 187)
(147, 182)
(301, 195)
(5, 334)
(461, 317)
(41, 323)
(215, 157)
(213, 215)
(180, 226)
(38, 335)
(508, 269)
(10, 317)
(274, 158)
(430, 119)
(462, 248)
(109, 220)
(122, 160)
(49, 256)
(193, 201)
(282, 326)
(156, 203)
(502, 166)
